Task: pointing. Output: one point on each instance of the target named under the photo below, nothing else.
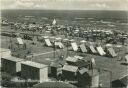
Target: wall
(8, 66)
(29, 72)
(43, 74)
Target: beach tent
(59, 44)
(108, 45)
(54, 22)
(112, 52)
(52, 39)
(48, 43)
(126, 58)
(83, 41)
(35, 40)
(126, 47)
(78, 57)
(20, 41)
(100, 51)
(83, 48)
(93, 50)
(65, 42)
(74, 46)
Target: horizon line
(68, 9)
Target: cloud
(100, 6)
(66, 4)
(37, 6)
(23, 5)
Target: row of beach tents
(83, 46)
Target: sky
(65, 4)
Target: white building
(11, 64)
(34, 71)
(4, 53)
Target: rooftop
(4, 50)
(79, 57)
(11, 58)
(70, 68)
(34, 64)
(71, 59)
(83, 70)
(53, 64)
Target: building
(4, 53)
(56, 69)
(83, 77)
(11, 65)
(88, 78)
(69, 72)
(82, 63)
(34, 71)
(94, 74)
(121, 82)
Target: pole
(67, 49)
(110, 79)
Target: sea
(121, 16)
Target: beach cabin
(5, 52)
(34, 71)
(11, 65)
(56, 69)
(83, 77)
(69, 72)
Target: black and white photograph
(63, 43)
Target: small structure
(100, 51)
(83, 48)
(83, 77)
(20, 41)
(11, 65)
(94, 74)
(69, 72)
(35, 40)
(34, 71)
(56, 69)
(112, 52)
(5, 52)
(74, 46)
(71, 60)
(79, 57)
(47, 42)
(59, 45)
(93, 50)
(82, 63)
(124, 80)
(126, 59)
(121, 82)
